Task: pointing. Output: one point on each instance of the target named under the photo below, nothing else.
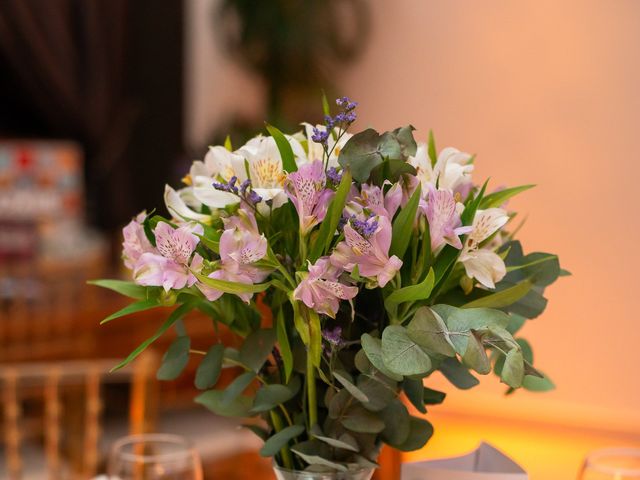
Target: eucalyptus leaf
(361, 154)
(308, 451)
(175, 359)
(345, 380)
(345, 442)
(276, 442)
(269, 397)
(433, 397)
(257, 347)
(235, 388)
(212, 399)
(475, 355)
(414, 391)
(457, 374)
(359, 419)
(379, 391)
(210, 367)
(429, 331)
(536, 384)
(373, 349)
(397, 424)
(401, 354)
(513, 369)
(420, 431)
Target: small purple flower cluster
(342, 120)
(334, 337)
(333, 177)
(366, 228)
(230, 186)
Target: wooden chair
(70, 396)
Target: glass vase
(360, 474)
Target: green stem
(287, 459)
(312, 401)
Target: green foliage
(256, 348)
(286, 152)
(496, 199)
(175, 359)
(209, 369)
(128, 289)
(135, 307)
(369, 150)
(332, 218)
(401, 354)
(403, 225)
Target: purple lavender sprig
(245, 192)
(366, 228)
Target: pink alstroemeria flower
(444, 219)
(241, 245)
(135, 241)
(375, 200)
(321, 290)
(367, 245)
(169, 265)
(306, 189)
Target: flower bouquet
(349, 268)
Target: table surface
(547, 452)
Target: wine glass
(612, 464)
(153, 456)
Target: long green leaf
(128, 289)
(176, 315)
(332, 218)
(431, 149)
(286, 152)
(138, 306)
(232, 287)
(403, 225)
(284, 345)
(503, 298)
(496, 199)
(421, 291)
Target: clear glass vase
(360, 474)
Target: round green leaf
(175, 359)
(401, 354)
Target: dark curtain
(106, 73)
(68, 56)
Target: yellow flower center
(267, 173)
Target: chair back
(59, 405)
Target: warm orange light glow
(547, 452)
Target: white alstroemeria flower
(484, 264)
(219, 165)
(182, 205)
(264, 164)
(452, 170)
(315, 150)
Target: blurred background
(103, 102)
